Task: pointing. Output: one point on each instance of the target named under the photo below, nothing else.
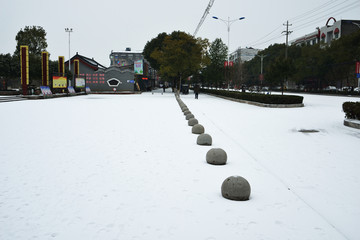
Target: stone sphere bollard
(216, 156)
(188, 116)
(236, 188)
(192, 121)
(198, 129)
(204, 140)
(187, 112)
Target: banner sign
(76, 67)
(357, 70)
(80, 82)
(61, 65)
(71, 90)
(138, 67)
(45, 68)
(45, 90)
(24, 63)
(59, 82)
(228, 64)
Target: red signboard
(228, 64)
(261, 77)
(357, 67)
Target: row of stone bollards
(234, 187)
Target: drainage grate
(308, 130)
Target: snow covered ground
(128, 167)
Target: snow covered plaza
(108, 167)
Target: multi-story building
(243, 54)
(329, 32)
(128, 72)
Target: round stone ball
(187, 112)
(216, 156)
(198, 129)
(184, 108)
(204, 140)
(236, 188)
(192, 121)
(188, 116)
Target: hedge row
(352, 110)
(256, 97)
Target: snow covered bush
(352, 110)
(260, 98)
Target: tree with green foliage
(279, 71)
(155, 44)
(34, 37)
(214, 72)
(180, 56)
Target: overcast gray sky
(102, 26)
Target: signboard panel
(59, 82)
(80, 82)
(138, 67)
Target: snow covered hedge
(255, 97)
(352, 110)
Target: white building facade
(243, 54)
(331, 31)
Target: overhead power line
(207, 10)
(337, 11)
(312, 17)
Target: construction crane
(207, 10)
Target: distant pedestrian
(196, 91)
(164, 87)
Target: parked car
(330, 88)
(346, 89)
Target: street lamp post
(228, 23)
(69, 30)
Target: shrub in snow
(236, 188)
(192, 121)
(216, 156)
(184, 109)
(352, 110)
(188, 116)
(198, 129)
(204, 139)
(261, 98)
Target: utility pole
(287, 32)
(261, 67)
